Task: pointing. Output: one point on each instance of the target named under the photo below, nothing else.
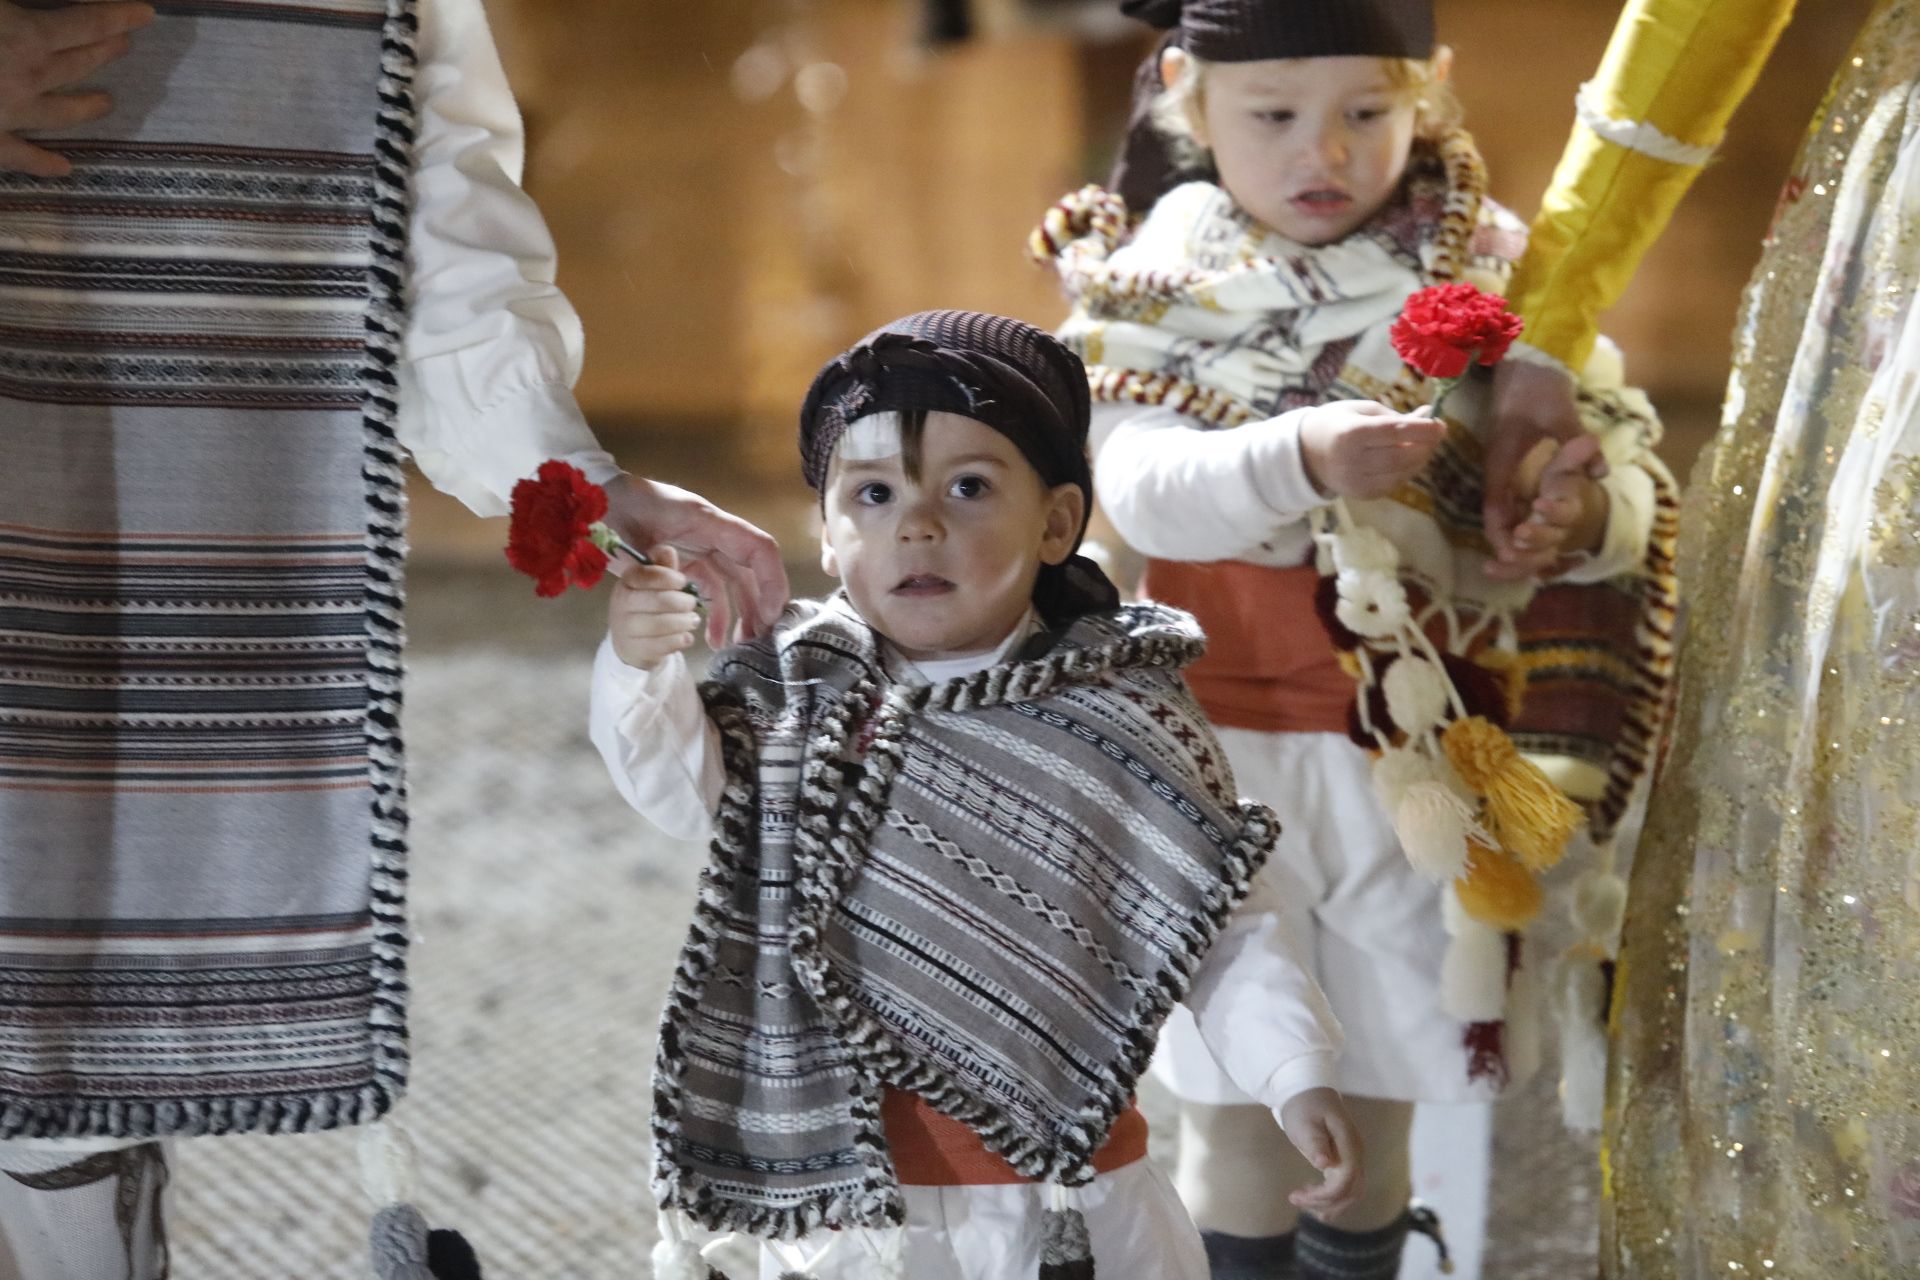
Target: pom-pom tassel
(1066, 1251)
(1583, 1041)
(1531, 817)
(1434, 826)
(1497, 891)
(1417, 694)
(1473, 971)
(678, 1260)
(1599, 908)
(1486, 1059)
(677, 1256)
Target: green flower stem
(603, 537)
(1446, 385)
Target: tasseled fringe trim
(195, 1117)
(1066, 1250)
(831, 838)
(385, 483)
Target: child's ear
(1442, 63)
(1066, 516)
(1174, 62)
(829, 563)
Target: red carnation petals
(547, 538)
(1444, 328)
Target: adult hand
(41, 53)
(736, 566)
(1531, 402)
(1563, 508)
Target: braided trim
(1654, 678)
(1635, 135)
(1113, 385)
(386, 555)
(1451, 248)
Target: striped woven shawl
(201, 797)
(988, 891)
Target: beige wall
(721, 238)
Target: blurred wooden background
(741, 187)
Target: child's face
(1311, 147)
(944, 565)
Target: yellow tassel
(1350, 664)
(1531, 817)
(1497, 890)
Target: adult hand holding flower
(735, 567)
(565, 529)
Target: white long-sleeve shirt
(1257, 1005)
(493, 347)
(1180, 492)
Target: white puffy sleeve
(492, 346)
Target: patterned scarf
(1199, 309)
(202, 803)
(988, 891)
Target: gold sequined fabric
(1764, 1099)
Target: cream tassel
(1434, 825)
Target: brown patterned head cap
(1010, 375)
(1252, 30)
(1016, 378)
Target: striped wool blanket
(988, 891)
(201, 794)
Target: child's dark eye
(874, 493)
(969, 487)
(1275, 117)
(1367, 115)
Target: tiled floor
(548, 916)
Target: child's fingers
(663, 574)
(1576, 457)
(1395, 433)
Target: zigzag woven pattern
(989, 892)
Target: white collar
(939, 670)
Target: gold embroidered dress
(1764, 1100)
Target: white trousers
(70, 1213)
(1139, 1230)
(1370, 922)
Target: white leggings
(82, 1215)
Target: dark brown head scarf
(1250, 31)
(1016, 378)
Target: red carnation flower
(555, 527)
(1444, 328)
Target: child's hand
(1319, 1127)
(1359, 449)
(651, 615)
(1565, 505)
